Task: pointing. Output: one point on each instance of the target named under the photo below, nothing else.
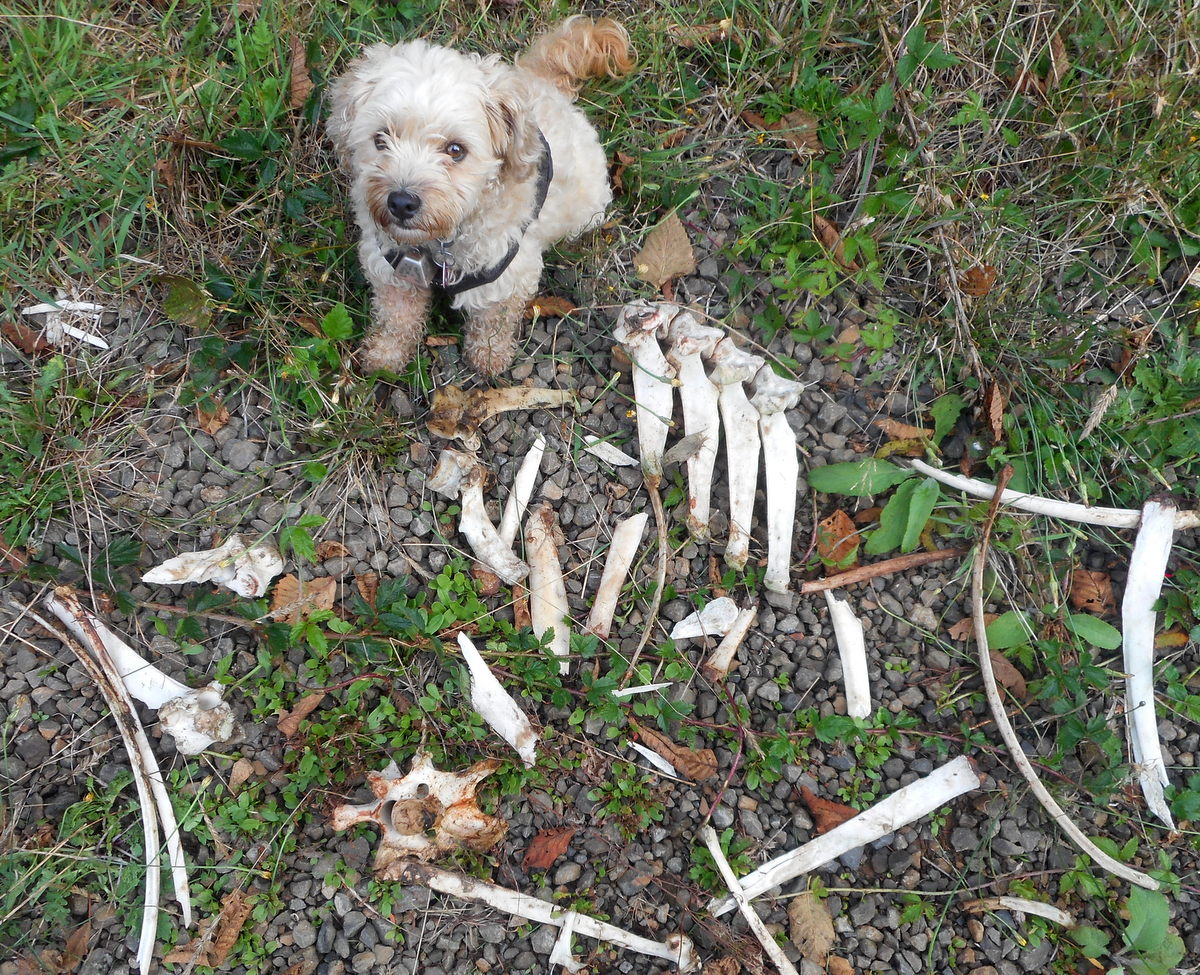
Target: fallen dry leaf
(723, 966)
(546, 847)
(839, 966)
(977, 281)
(521, 617)
(242, 769)
(330, 549)
(367, 585)
(688, 36)
(548, 306)
(964, 629)
(810, 927)
(1007, 675)
(301, 84)
(15, 556)
(210, 421)
(830, 237)
(1060, 64)
(288, 722)
(896, 430)
(837, 541)
(797, 129)
(666, 253)
(994, 402)
(76, 948)
(1092, 592)
(617, 177)
(826, 813)
(1170, 639)
(696, 764)
(293, 600)
(235, 908)
(31, 341)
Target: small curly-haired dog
(463, 171)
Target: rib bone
(621, 553)
(731, 368)
(653, 391)
(773, 395)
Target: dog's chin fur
(400, 116)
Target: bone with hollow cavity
(1147, 566)
(637, 330)
(852, 648)
(245, 566)
(773, 395)
(456, 414)
(548, 608)
(496, 706)
(731, 369)
(721, 660)
(459, 476)
(621, 553)
(522, 491)
(689, 342)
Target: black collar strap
(488, 275)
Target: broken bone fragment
(459, 476)
(548, 608)
(496, 706)
(773, 396)
(246, 567)
(852, 648)
(621, 553)
(60, 315)
(732, 368)
(689, 343)
(426, 814)
(722, 660)
(609, 453)
(716, 618)
(522, 491)
(198, 719)
(456, 414)
(638, 328)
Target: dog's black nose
(403, 205)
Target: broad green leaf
(1092, 941)
(920, 507)
(945, 412)
(1095, 631)
(337, 324)
(186, 302)
(893, 521)
(1149, 915)
(1008, 630)
(858, 477)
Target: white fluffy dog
(463, 171)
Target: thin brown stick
(864, 572)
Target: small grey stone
(304, 935)
(352, 923)
(325, 936)
(722, 817)
(543, 939)
(492, 933)
(363, 962)
(240, 454)
(568, 873)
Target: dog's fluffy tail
(578, 49)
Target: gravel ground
(174, 489)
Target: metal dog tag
(416, 265)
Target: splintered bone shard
(459, 476)
(689, 343)
(496, 706)
(773, 395)
(731, 369)
(426, 814)
(607, 452)
(247, 567)
(715, 619)
(852, 647)
(722, 660)
(637, 330)
(548, 609)
(522, 491)
(621, 553)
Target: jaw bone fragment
(548, 609)
(689, 341)
(522, 490)
(460, 476)
(653, 389)
(715, 619)
(902, 807)
(456, 415)
(731, 368)
(773, 395)
(677, 948)
(426, 813)
(1147, 565)
(848, 632)
(721, 660)
(621, 553)
(244, 566)
(496, 705)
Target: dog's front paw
(398, 322)
(490, 341)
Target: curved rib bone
(773, 395)
(653, 392)
(731, 368)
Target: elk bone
(848, 632)
(548, 607)
(621, 553)
(245, 568)
(496, 706)
(522, 490)
(637, 330)
(721, 661)
(773, 395)
(731, 368)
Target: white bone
(653, 392)
(460, 476)
(1022, 905)
(655, 759)
(721, 661)
(198, 719)
(773, 395)
(246, 567)
(548, 608)
(560, 954)
(715, 619)
(852, 648)
(731, 368)
(522, 491)
(611, 455)
(496, 706)
(621, 553)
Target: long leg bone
(548, 608)
(522, 491)
(689, 341)
(773, 395)
(460, 476)
(731, 368)
(621, 553)
(653, 391)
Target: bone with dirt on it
(548, 607)
(638, 328)
(621, 553)
(773, 396)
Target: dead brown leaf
(839, 966)
(896, 430)
(994, 403)
(688, 35)
(1092, 592)
(16, 557)
(1170, 639)
(1060, 64)
(666, 253)
(826, 813)
(301, 84)
(797, 129)
(964, 629)
(1007, 675)
(810, 927)
(31, 341)
(837, 541)
(367, 585)
(696, 764)
(723, 966)
(489, 582)
(548, 306)
(624, 161)
(977, 281)
(210, 421)
(288, 722)
(331, 549)
(76, 948)
(215, 937)
(293, 600)
(521, 617)
(240, 774)
(546, 847)
(1028, 83)
(830, 237)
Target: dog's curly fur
(444, 146)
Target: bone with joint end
(689, 342)
(621, 553)
(244, 566)
(1147, 565)
(548, 608)
(459, 476)
(522, 491)
(902, 807)
(677, 948)
(718, 665)
(496, 706)
(852, 648)
(731, 368)
(715, 619)
(773, 395)
(560, 954)
(653, 392)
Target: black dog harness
(419, 262)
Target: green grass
(150, 156)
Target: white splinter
(548, 607)
(1147, 566)
(721, 661)
(715, 619)
(621, 553)
(731, 368)
(459, 476)
(242, 564)
(522, 490)
(773, 395)
(496, 706)
(560, 954)
(906, 805)
(852, 648)
(608, 452)
(689, 341)
(653, 391)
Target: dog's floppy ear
(347, 94)
(513, 132)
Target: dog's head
(423, 131)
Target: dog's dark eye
(455, 150)
(380, 142)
